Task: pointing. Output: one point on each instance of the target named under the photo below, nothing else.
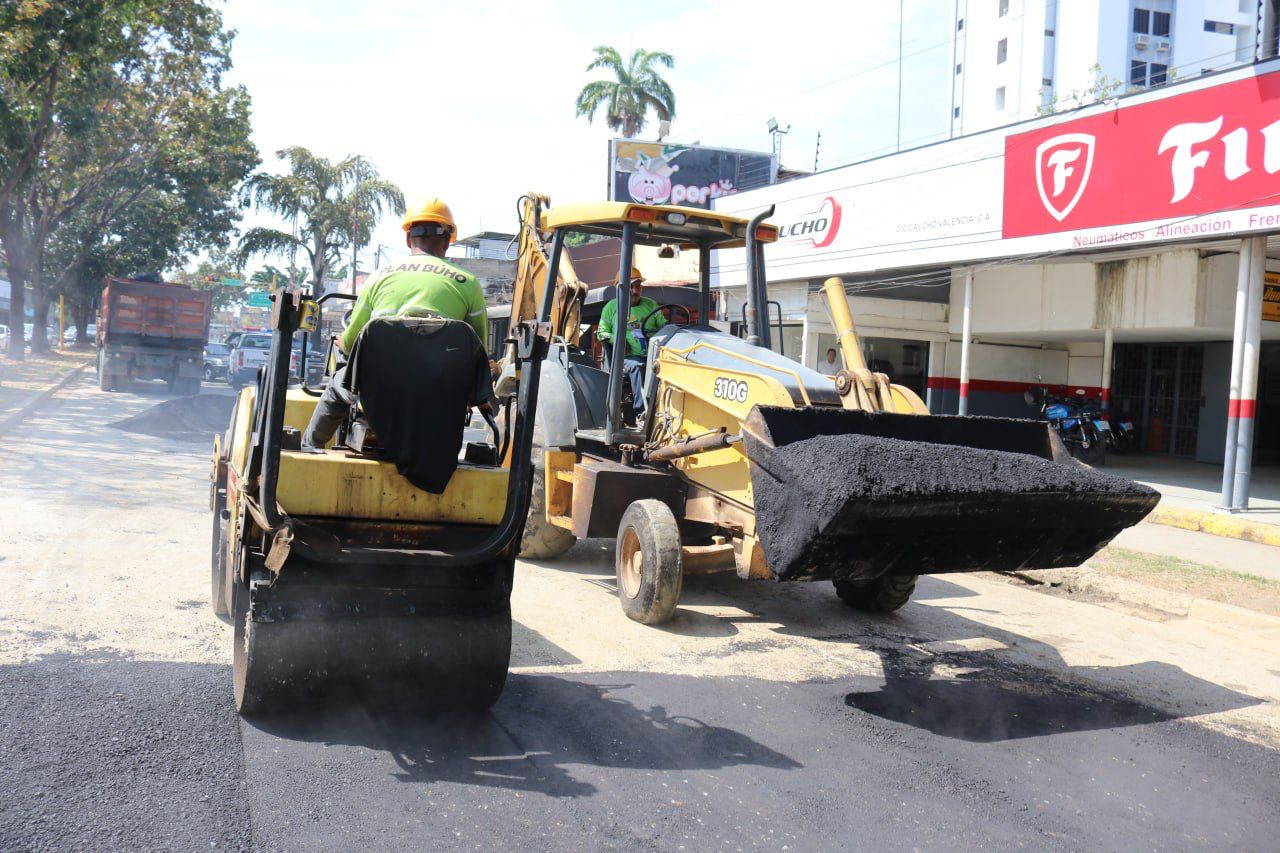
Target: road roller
(350, 567)
(745, 460)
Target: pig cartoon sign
(650, 181)
(653, 173)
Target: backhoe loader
(334, 567)
(746, 460)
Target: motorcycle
(1079, 429)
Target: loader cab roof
(688, 227)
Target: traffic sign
(259, 299)
(231, 282)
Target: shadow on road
(543, 726)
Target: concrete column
(1248, 403)
(966, 336)
(1108, 342)
(1251, 266)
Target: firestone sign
(1200, 152)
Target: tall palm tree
(628, 99)
(330, 203)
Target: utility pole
(899, 145)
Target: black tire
(1096, 453)
(542, 540)
(208, 373)
(648, 563)
(105, 382)
(256, 690)
(884, 594)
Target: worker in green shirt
(425, 284)
(636, 338)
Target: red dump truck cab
(152, 330)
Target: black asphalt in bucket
(868, 494)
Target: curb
(1216, 613)
(12, 420)
(1216, 524)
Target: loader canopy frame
(658, 225)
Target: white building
(1016, 59)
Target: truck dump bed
(154, 313)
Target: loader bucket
(851, 494)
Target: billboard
(1198, 152)
(686, 175)
(1196, 160)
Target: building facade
(1017, 59)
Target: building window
(1142, 21)
(959, 24)
(1160, 24)
(955, 113)
(958, 67)
(1138, 73)
(1000, 99)
(1048, 34)
(1159, 74)
(1002, 51)
(1047, 82)
(1220, 28)
(1004, 8)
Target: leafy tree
(137, 148)
(327, 201)
(638, 88)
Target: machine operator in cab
(424, 284)
(637, 338)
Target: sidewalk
(22, 383)
(1191, 491)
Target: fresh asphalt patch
(183, 418)
(113, 754)
(624, 760)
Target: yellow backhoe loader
(747, 460)
(337, 569)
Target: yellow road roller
(334, 567)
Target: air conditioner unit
(1141, 42)
(1162, 46)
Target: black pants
(334, 406)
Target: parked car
(248, 353)
(251, 350)
(215, 361)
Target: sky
(474, 102)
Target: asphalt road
(763, 717)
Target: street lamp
(777, 133)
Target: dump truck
(152, 330)
(341, 568)
(747, 461)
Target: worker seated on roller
(424, 285)
(644, 312)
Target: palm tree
(328, 202)
(638, 89)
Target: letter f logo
(1060, 177)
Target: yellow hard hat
(431, 210)
(635, 274)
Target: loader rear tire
(885, 594)
(648, 562)
(542, 540)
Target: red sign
(1199, 152)
(816, 228)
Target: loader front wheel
(648, 562)
(884, 594)
(542, 540)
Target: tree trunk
(82, 327)
(19, 267)
(40, 322)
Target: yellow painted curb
(1216, 524)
